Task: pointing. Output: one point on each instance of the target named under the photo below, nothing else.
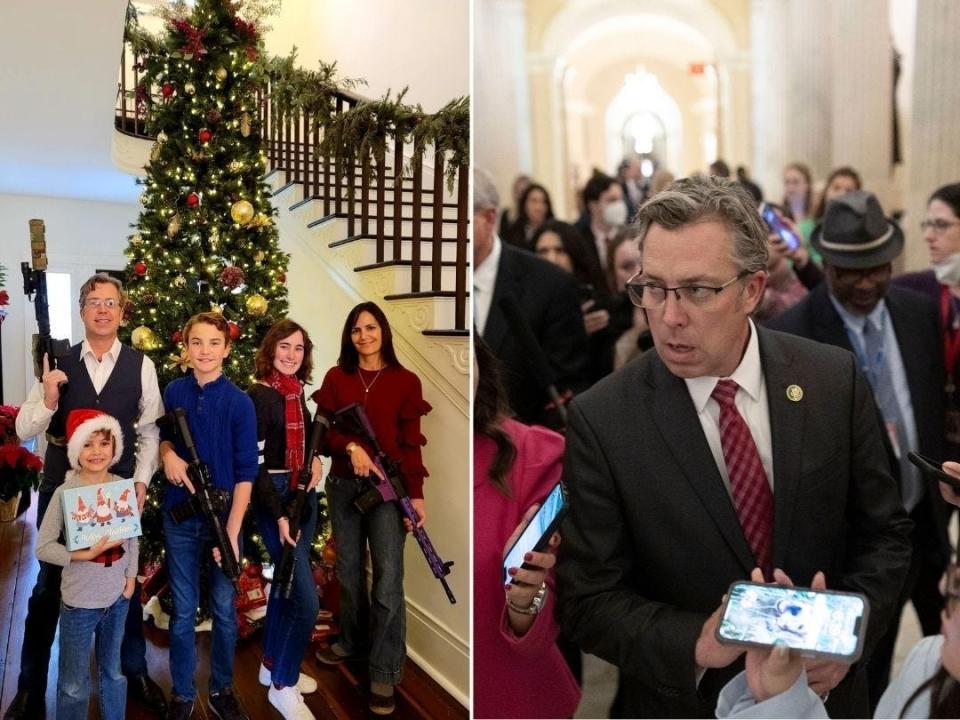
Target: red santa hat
(82, 423)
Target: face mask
(948, 271)
(615, 213)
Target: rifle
(206, 501)
(355, 421)
(35, 281)
(284, 574)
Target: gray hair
(485, 195)
(703, 199)
(101, 278)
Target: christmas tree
(205, 238)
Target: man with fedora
(895, 336)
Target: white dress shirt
(484, 282)
(34, 416)
(751, 403)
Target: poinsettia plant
(19, 468)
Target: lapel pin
(795, 393)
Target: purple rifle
(353, 420)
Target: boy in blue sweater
(224, 428)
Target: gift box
(92, 511)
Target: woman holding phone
(517, 667)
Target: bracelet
(535, 605)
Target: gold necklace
(366, 388)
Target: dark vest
(120, 398)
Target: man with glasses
(98, 372)
(894, 334)
(727, 448)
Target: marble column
(770, 99)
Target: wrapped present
(323, 631)
(252, 593)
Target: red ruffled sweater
(394, 407)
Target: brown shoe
(327, 656)
(382, 704)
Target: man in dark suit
(604, 213)
(517, 295)
(730, 447)
(895, 335)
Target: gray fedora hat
(856, 234)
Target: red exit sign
(697, 68)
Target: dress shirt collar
(212, 385)
(113, 352)
(876, 318)
(748, 375)
(485, 274)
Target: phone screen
(776, 225)
(538, 526)
(814, 621)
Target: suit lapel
(676, 417)
(786, 432)
(496, 330)
(828, 325)
(913, 368)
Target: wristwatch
(534, 607)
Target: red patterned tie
(748, 480)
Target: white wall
(82, 236)
(423, 44)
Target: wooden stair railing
(292, 142)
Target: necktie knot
(725, 392)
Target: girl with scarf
(283, 366)
(369, 373)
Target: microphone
(536, 358)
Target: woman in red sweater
(368, 372)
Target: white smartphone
(826, 623)
(536, 535)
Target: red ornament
(232, 277)
(166, 89)
(204, 135)
(234, 330)
(177, 336)
(140, 268)
(282, 277)
(193, 199)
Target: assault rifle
(354, 420)
(284, 575)
(35, 281)
(206, 501)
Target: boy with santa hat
(97, 582)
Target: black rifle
(354, 420)
(35, 281)
(206, 501)
(284, 574)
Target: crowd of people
(99, 410)
(735, 397)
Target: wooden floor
(340, 695)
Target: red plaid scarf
(109, 557)
(292, 390)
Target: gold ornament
(235, 166)
(190, 88)
(182, 361)
(161, 137)
(242, 212)
(143, 338)
(245, 125)
(143, 198)
(173, 227)
(221, 73)
(217, 308)
(260, 220)
(155, 152)
(136, 239)
(259, 255)
(257, 305)
(179, 281)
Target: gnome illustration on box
(104, 516)
(122, 508)
(83, 513)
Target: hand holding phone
(534, 534)
(778, 227)
(931, 469)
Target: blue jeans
(289, 621)
(40, 625)
(187, 545)
(77, 627)
(377, 623)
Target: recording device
(776, 225)
(817, 623)
(536, 535)
(353, 420)
(206, 502)
(35, 282)
(536, 359)
(284, 574)
(931, 469)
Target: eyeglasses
(875, 274)
(97, 303)
(651, 296)
(951, 594)
(938, 225)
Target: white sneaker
(289, 703)
(305, 684)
